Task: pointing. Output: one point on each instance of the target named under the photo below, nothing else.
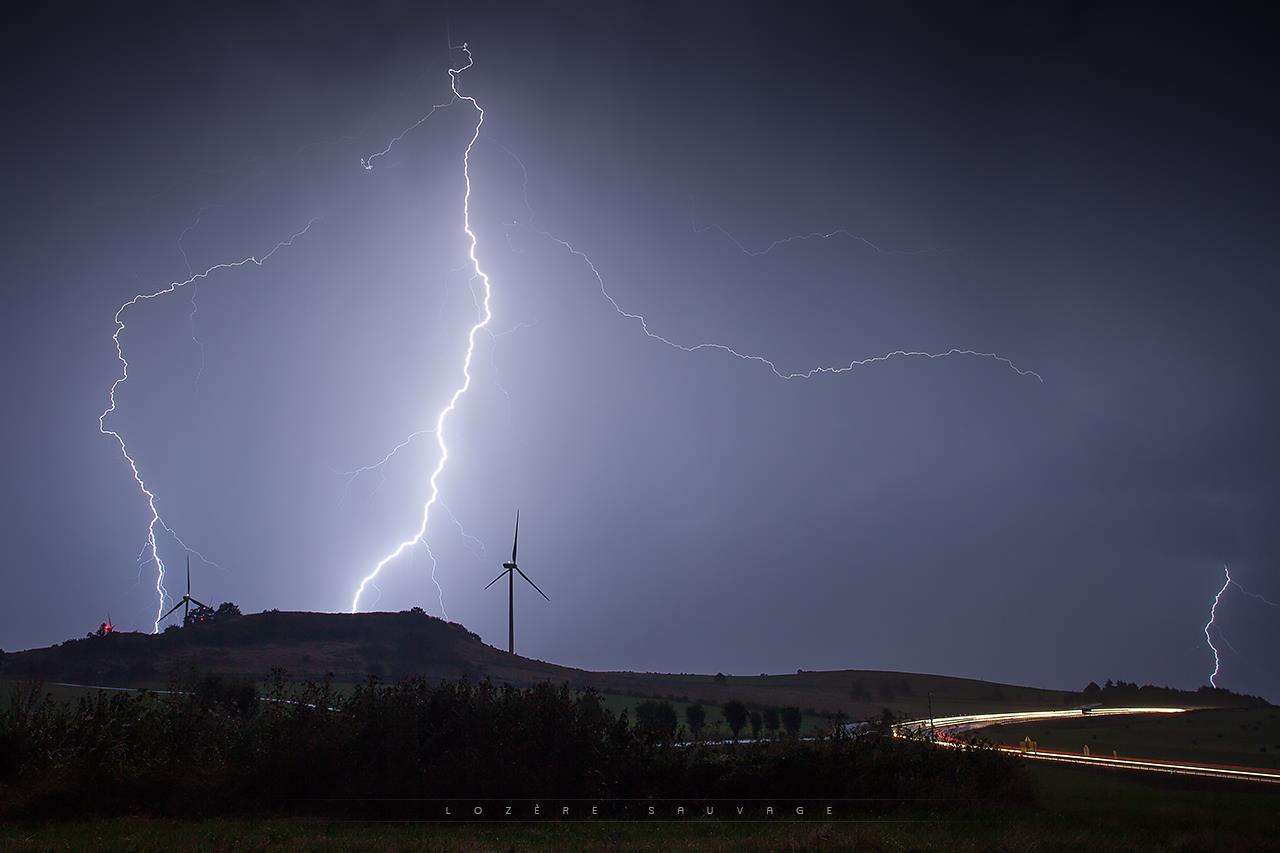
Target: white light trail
(938, 731)
(480, 324)
(150, 547)
(1213, 615)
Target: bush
(210, 750)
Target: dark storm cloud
(1086, 189)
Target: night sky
(1086, 190)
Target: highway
(944, 733)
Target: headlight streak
(480, 324)
(926, 727)
(150, 548)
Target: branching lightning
(480, 324)
(643, 322)
(351, 476)
(483, 305)
(768, 363)
(1213, 615)
(150, 548)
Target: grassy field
(1249, 737)
(1074, 809)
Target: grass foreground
(1073, 809)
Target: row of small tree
(658, 720)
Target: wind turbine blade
(495, 580)
(531, 583)
(201, 603)
(188, 574)
(171, 609)
(516, 541)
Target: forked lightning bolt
(485, 315)
(151, 548)
(1213, 615)
(483, 305)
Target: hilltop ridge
(391, 646)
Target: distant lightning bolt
(486, 315)
(1213, 614)
(150, 547)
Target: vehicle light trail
(968, 722)
(151, 548)
(486, 315)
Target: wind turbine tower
(510, 569)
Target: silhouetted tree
(757, 722)
(791, 720)
(226, 610)
(771, 721)
(1092, 692)
(696, 717)
(735, 714)
(656, 720)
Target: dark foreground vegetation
(216, 747)
(1074, 809)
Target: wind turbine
(186, 601)
(510, 569)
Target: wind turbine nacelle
(508, 565)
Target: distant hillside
(392, 646)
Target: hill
(392, 646)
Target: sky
(1085, 190)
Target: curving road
(944, 732)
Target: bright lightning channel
(150, 548)
(476, 328)
(1213, 615)
(483, 306)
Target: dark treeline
(1128, 692)
(217, 747)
